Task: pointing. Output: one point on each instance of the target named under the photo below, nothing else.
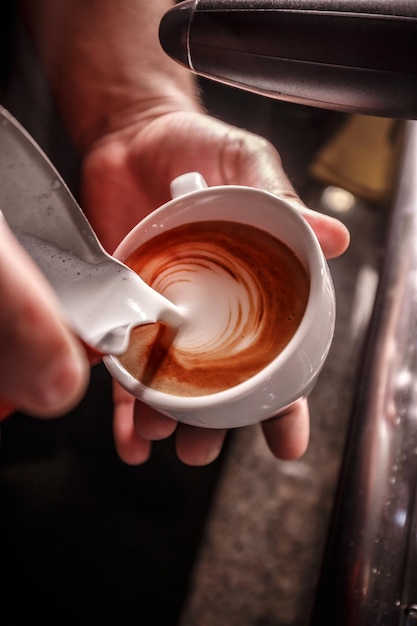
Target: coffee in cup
(243, 292)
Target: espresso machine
(353, 56)
(346, 55)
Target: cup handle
(187, 183)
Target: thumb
(44, 370)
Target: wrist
(105, 65)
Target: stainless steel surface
(370, 573)
(102, 298)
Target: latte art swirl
(244, 293)
(223, 298)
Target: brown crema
(245, 293)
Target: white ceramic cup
(293, 373)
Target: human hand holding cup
(258, 302)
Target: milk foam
(100, 299)
(222, 299)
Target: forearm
(105, 63)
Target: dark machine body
(346, 55)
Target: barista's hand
(44, 369)
(126, 175)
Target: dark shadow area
(87, 538)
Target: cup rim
(317, 271)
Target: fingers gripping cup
(258, 302)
